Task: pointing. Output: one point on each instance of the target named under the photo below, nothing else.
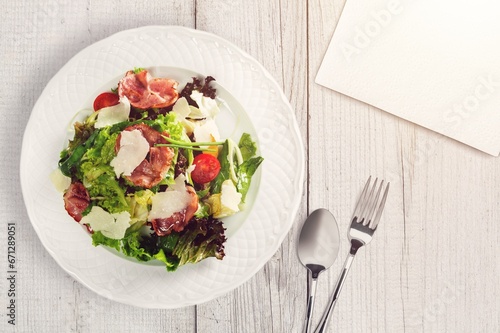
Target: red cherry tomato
(106, 99)
(207, 168)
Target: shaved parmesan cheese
(207, 132)
(179, 184)
(225, 203)
(182, 110)
(113, 114)
(110, 225)
(133, 150)
(230, 198)
(196, 113)
(207, 106)
(175, 199)
(60, 181)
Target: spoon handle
(321, 328)
(311, 292)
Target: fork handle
(321, 328)
(311, 292)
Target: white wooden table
(433, 267)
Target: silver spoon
(318, 248)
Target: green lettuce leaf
(139, 208)
(99, 239)
(202, 238)
(247, 147)
(203, 210)
(107, 186)
(168, 123)
(99, 177)
(71, 158)
(132, 247)
(245, 172)
(148, 247)
(225, 169)
(166, 246)
(171, 262)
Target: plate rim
(294, 206)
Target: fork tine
(365, 213)
(361, 200)
(373, 204)
(376, 220)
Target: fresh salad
(147, 173)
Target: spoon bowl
(318, 248)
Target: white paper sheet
(433, 62)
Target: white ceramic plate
(258, 105)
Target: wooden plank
(433, 265)
(349, 141)
(417, 275)
(125, 16)
(274, 299)
(452, 290)
(42, 37)
(244, 309)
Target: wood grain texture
(41, 39)
(277, 38)
(433, 266)
(417, 273)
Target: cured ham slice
(144, 91)
(76, 200)
(155, 166)
(178, 220)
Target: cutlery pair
(319, 244)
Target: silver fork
(365, 219)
